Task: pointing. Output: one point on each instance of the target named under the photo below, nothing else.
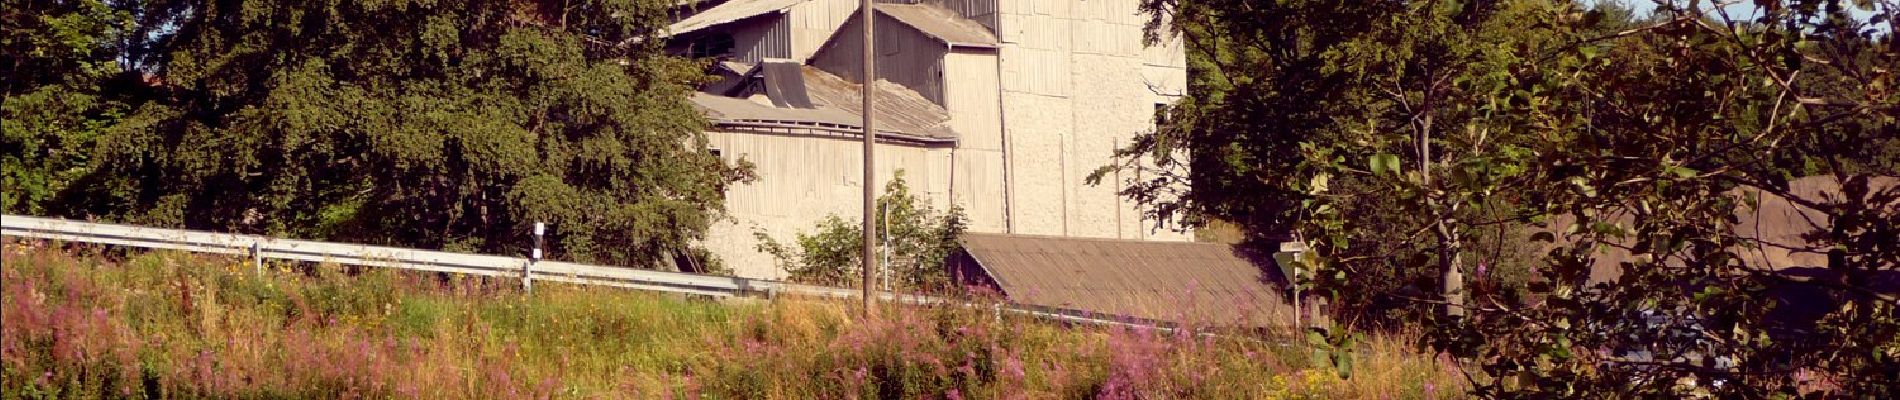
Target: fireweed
(81, 322)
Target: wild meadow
(83, 322)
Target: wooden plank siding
(981, 11)
(905, 56)
(814, 22)
(767, 36)
(974, 100)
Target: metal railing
(260, 248)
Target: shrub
(915, 236)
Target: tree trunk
(1451, 278)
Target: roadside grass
(80, 322)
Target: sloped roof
(736, 67)
(729, 11)
(941, 23)
(898, 108)
(785, 83)
(1197, 283)
(836, 103)
(1778, 224)
(732, 109)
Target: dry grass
(81, 325)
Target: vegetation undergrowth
(84, 323)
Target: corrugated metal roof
(729, 11)
(941, 23)
(722, 108)
(785, 83)
(835, 106)
(1197, 283)
(898, 108)
(736, 67)
(1778, 224)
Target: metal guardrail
(264, 247)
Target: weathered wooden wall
(904, 56)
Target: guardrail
(260, 248)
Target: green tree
(57, 59)
(917, 237)
(1383, 132)
(418, 123)
(1364, 126)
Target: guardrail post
(257, 257)
(527, 270)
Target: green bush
(916, 237)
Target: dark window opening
(717, 44)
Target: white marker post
(527, 271)
(257, 257)
(1289, 258)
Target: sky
(1738, 9)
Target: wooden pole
(866, 17)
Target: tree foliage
(451, 125)
(1403, 138)
(917, 238)
(57, 59)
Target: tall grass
(81, 325)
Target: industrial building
(1001, 107)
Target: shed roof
(785, 83)
(729, 109)
(941, 23)
(729, 11)
(836, 103)
(898, 108)
(1778, 224)
(1200, 283)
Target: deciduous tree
(1642, 134)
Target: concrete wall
(1070, 83)
(803, 179)
(1078, 83)
(973, 100)
(975, 107)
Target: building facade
(1001, 107)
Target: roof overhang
(728, 12)
(942, 24)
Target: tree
(56, 61)
(1364, 126)
(399, 122)
(1293, 123)
(918, 238)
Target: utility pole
(866, 17)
